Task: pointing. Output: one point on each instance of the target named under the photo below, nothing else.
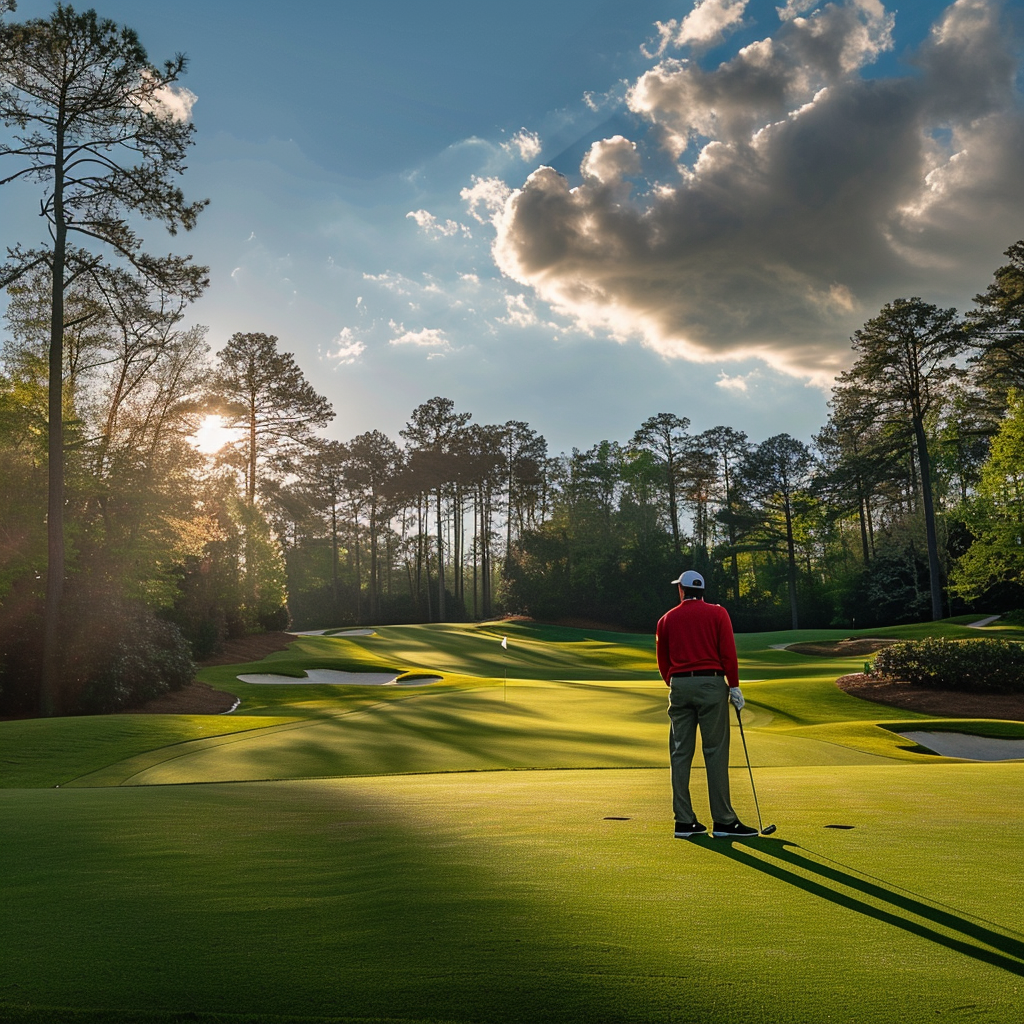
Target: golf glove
(736, 697)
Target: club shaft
(750, 771)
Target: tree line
(906, 505)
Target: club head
(768, 830)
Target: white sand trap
(974, 748)
(333, 677)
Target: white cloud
(525, 144)
(430, 225)
(609, 160)
(706, 25)
(348, 348)
(176, 102)
(807, 194)
(518, 312)
(794, 8)
(740, 383)
(392, 281)
(766, 80)
(173, 101)
(428, 337)
(489, 193)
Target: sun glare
(212, 435)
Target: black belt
(703, 672)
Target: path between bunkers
(497, 847)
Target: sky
(583, 214)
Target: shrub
(148, 658)
(971, 666)
(115, 655)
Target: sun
(212, 435)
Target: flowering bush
(972, 666)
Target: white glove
(736, 698)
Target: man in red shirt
(697, 660)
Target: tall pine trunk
(934, 568)
(440, 561)
(49, 693)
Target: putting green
(329, 853)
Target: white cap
(690, 579)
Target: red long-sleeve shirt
(695, 636)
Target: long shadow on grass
(1006, 951)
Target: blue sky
(759, 180)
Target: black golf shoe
(684, 831)
(737, 830)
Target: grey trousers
(700, 701)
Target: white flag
(504, 642)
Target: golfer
(697, 660)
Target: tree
(995, 515)
(665, 437)
(774, 473)
(905, 362)
(264, 394)
(373, 461)
(997, 324)
(730, 446)
(525, 451)
(103, 132)
(433, 430)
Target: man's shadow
(778, 858)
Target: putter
(765, 830)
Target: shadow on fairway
(899, 907)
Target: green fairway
(365, 853)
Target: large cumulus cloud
(806, 194)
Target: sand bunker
(974, 748)
(333, 677)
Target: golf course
(489, 839)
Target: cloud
(428, 337)
(524, 143)
(707, 24)
(609, 160)
(430, 225)
(348, 347)
(173, 101)
(519, 313)
(740, 383)
(488, 193)
(766, 80)
(805, 194)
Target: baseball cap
(690, 579)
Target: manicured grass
(506, 897)
(445, 854)
(55, 752)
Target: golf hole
(840, 826)
(617, 819)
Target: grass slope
(504, 897)
(387, 871)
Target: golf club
(764, 830)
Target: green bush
(147, 658)
(971, 666)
